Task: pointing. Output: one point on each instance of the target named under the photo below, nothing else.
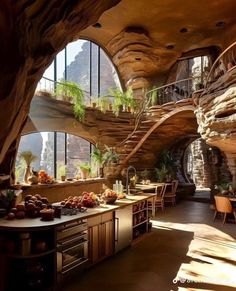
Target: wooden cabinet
(29, 259)
(140, 218)
(101, 236)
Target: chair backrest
(160, 190)
(175, 184)
(223, 204)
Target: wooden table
(152, 199)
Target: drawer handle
(80, 262)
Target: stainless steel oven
(72, 246)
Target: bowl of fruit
(109, 196)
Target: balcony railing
(47, 86)
(175, 91)
(224, 63)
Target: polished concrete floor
(185, 250)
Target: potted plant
(110, 160)
(85, 169)
(98, 160)
(129, 101)
(62, 172)
(118, 100)
(72, 91)
(94, 101)
(166, 167)
(103, 103)
(161, 173)
(28, 157)
(144, 174)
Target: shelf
(144, 209)
(32, 256)
(144, 221)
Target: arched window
(85, 63)
(54, 150)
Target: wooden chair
(159, 199)
(169, 197)
(224, 206)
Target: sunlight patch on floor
(211, 253)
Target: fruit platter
(32, 207)
(86, 200)
(44, 178)
(109, 196)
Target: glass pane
(42, 146)
(60, 65)
(60, 154)
(78, 151)
(78, 64)
(47, 162)
(108, 75)
(44, 84)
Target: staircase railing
(225, 61)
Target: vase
(27, 174)
(101, 174)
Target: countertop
(30, 223)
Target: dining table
(152, 188)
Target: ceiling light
(220, 24)
(97, 25)
(170, 46)
(183, 30)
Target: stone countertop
(31, 223)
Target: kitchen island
(42, 253)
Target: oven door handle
(71, 248)
(74, 239)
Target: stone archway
(33, 33)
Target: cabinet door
(94, 243)
(107, 238)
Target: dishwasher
(72, 246)
(123, 228)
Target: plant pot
(94, 104)
(27, 174)
(110, 107)
(84, 173)
(63, 178)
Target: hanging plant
(70, 90)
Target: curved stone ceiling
(152, 52)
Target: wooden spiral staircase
(150, 118)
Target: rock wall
(138, 57)
(201, 171)
(216, 116)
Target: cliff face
(79, 70)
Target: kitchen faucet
(127, 178)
